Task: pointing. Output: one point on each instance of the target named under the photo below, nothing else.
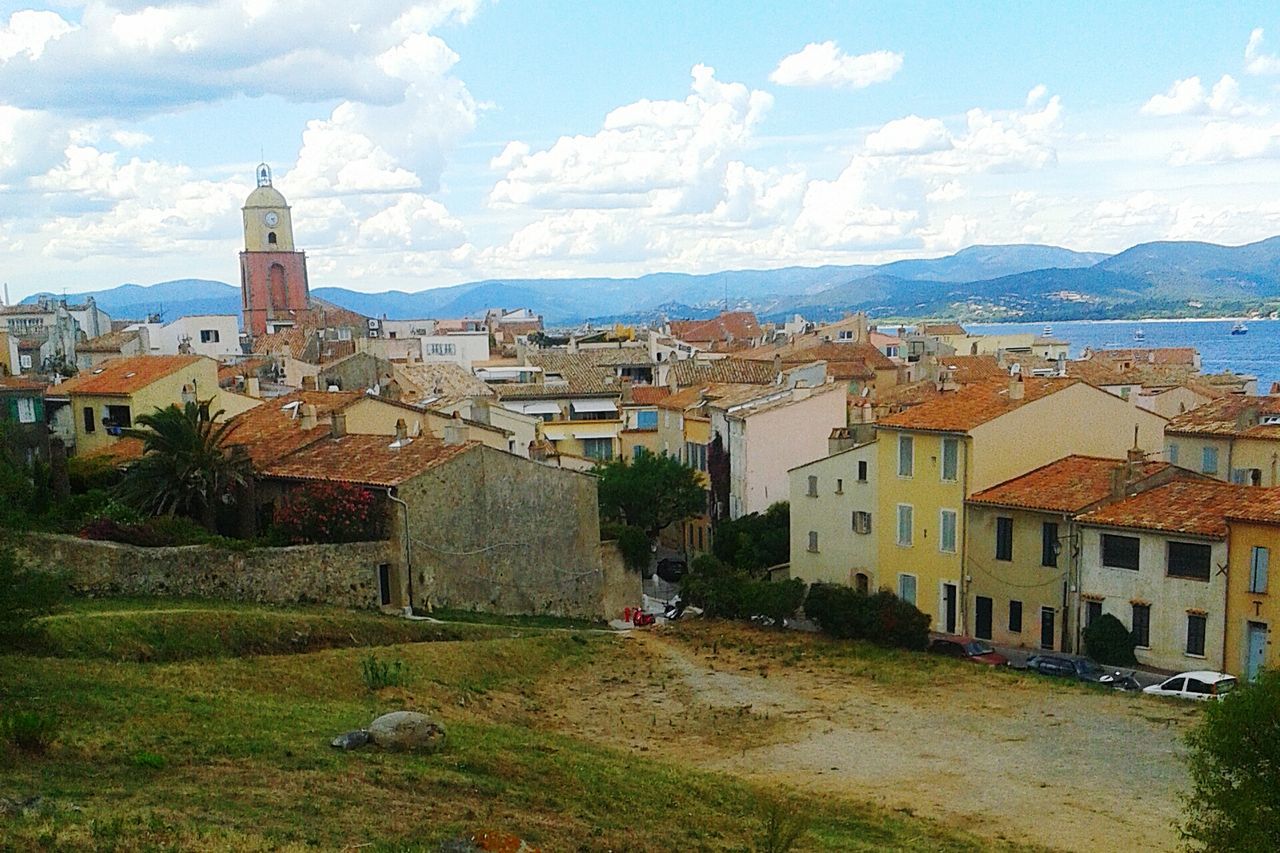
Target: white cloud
(413, 221)
(948, 191)
(130, 138)
(1223, 141)
(1257, 62)
(910, 135)
(825, 64)
(337, 158)
(1188, 97)
(28, 32)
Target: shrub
(27, 730)
(632, 542)
(882, 618)
(88, 473)
(774, 600)
(378, 674)
(330, 512)
(25, 594)
(728, 593)
(1234, 761)
(1108, 641)
(756, 541)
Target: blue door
(1256, 649)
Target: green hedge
(882, 617)
(632, 542)
(728, 593)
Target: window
(441, 349)
(637, 451)
(90, 422)
(1259, 561)
(904, 524)
(1049, 544)
(845, 335)
(839, 486)
(906, 455)
(862, 471)
(26, 410)
(1015, 617)
(1195, 685)
(982, 617)
(1173, 453)
(1189, 560)
(1195, 634)
(600, 449)
(384, 583)
(646, 419)
(1004, 538)
(696, 455)
(209, 336)
(1092, 612)
(271, 237)
(1120, 552)
(1141, 627)
(907, 588)
(947, 531)
(24, 361)
(861, 522)
(950, 459)
(701, 540)
(813, 541)
(1209, 460)
(118, 416)
(813, 486)
(862, 583)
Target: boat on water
(1239, 328)
(1139, 335)
(1048, 331)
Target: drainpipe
(408, 553)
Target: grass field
(174, 730)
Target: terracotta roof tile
(21, 383)
(110, 342)
(1096, 373)
(1150, 355)
(649, 395)
(1071, 484)
(735, 325)
(120, 451)
(122, 376)
(973, 405)
(370, 460)
(972, 368)
(1263, 506)
(1198, 508)
(942, 329)
(695, 371)
(1235, 414)
(697, 396)
(273, 430)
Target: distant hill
(980, 282)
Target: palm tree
(185, 469)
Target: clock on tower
(273, 274)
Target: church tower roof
(265, 195)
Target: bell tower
(273, 274)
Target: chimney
(626, 390)
(338, 426)
(1017, 390)
(308, 417)
(308, 383)
(402, 431)
(456, 431)
(1119, 479)
(1062, 364)
(253, 386)
(947, 379)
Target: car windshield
(977, 647)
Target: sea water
(1256, 353)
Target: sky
(426, 144)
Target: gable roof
(1069, 485)
(649, 395)
(1150, 355)
(967, 369)
(730, 325)
(694, 371)
(974, 405)
(1232, 415)
(437, 383)
(124, 376)
(368, 460)
(1196, 508)
(273, 430)
(110, 342)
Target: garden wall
(344, 575)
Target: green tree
(1107, 640)
(1234, 760)
(186, 467)
(756, 541)
(24, 595)
(650, 492)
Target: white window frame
(942, 530)
(915, 587)
(861, 521)
(26, 410)
(911, 525)
(953, 443)
(909, 458)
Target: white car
(1200, 684)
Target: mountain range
(1008, 282)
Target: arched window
(861, 583)
(271, 237)
(278, 293)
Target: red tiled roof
(1234, 414)
(973, 405)
(694, 371)
(1198, 508)
(21, 383)
(1071, 484)
(738, 325)
(691, 397)
(966, 369)
(1263, 506)
(273, 430)
(1150, 355)
(120, 451)
(369, 460)
(942, 329)
(110, 342)
(649, 395)
(122, 376)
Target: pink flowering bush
(330, 512)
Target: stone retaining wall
(344, 575)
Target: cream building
(834, 511)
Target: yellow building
(935, 455)
(110, 397)
(1235, 439)
(1253, 606)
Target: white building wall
(842, 551)
(1170, 597)
(464, 348)
(214, 335)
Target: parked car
(1203, 684)
(1067, 666)
(671, 569)
(967, 648)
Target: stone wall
(492, 531)
(343, 575)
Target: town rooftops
(753, 399)
(942, 329)
(1263, 507)
(1190, 507)
(974, 405)
(1187, 356)
(369, 460)
(120, 377)
(21, 384)
(696, 371)
(967, 369)
(810, 348)
(437, 383)
(649, 395)
(1096, 373)
(730, 325)
(1232, 415)
(698, 395)
(273, 430)
(1069, 485)
(110, 342)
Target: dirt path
(1023, 760)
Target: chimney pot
(1017, 389)
(308, 416)
(338, 426)
(308, 383)
(253, 386)
(402, 431)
